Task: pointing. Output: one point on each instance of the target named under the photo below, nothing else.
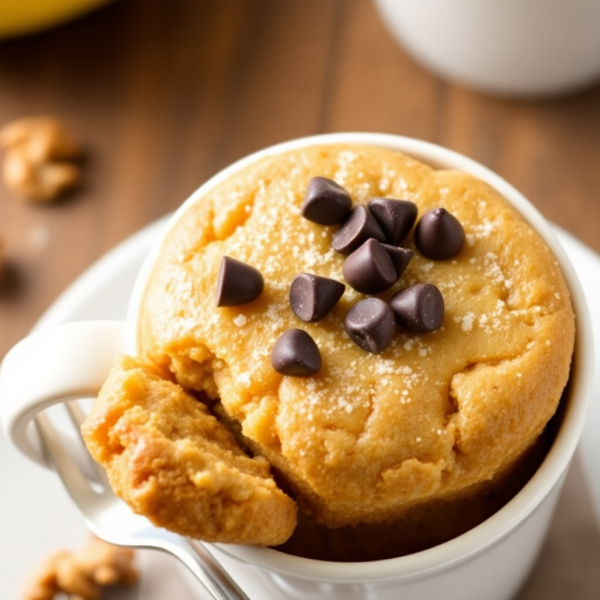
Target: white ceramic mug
(490, 561)
(510, 47)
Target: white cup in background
(528, 48)
(490, 561)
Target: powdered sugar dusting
(240, 320)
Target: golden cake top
(368, 434)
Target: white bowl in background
(526, 48)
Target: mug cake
(334, 338)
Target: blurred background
(163, 94)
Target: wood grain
(165, 94)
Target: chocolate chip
(356, 229)
(395, 217)
(326, 202)
(370, 323)
(238, 283)
(296, 353)
(419, 308)
(439, 234)
(400, 258)
(370, 269)
(312, 296)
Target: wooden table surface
(164, 94)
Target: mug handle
(58, 364)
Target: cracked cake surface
(172, 461)
(370, 435)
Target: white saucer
(37, 517)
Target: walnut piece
(81, 575)
(39, 155)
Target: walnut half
(81, 575)
(39, 154)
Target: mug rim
(548, 475)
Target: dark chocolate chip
(439, 234)
(326, 202)
(356, 229)
(400, 257)
(312, 296)
(419, 308)
(395, 217)
(370, 323)
(295, 353)
(370, 269)
(238, 283)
